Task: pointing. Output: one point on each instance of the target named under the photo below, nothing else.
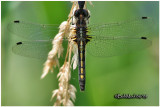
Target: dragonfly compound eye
(77, 13)
(85, 13)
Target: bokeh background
(135, 73)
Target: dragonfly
(99, 40)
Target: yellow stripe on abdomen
(81, 63)
(81, 70)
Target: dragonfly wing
(35, 49)
(32, 31)
(114, 46)
(134, 27)
(121, 37)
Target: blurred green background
(135, 73)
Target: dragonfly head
(81, 14)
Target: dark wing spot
(16, 21)
(144, 17)
(19, 43)
(143, 37)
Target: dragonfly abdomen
(81, 39)
(81, 52)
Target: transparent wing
(114, 46)
(32, 31)
(134, 27)
(119, 38)
(35, 49)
